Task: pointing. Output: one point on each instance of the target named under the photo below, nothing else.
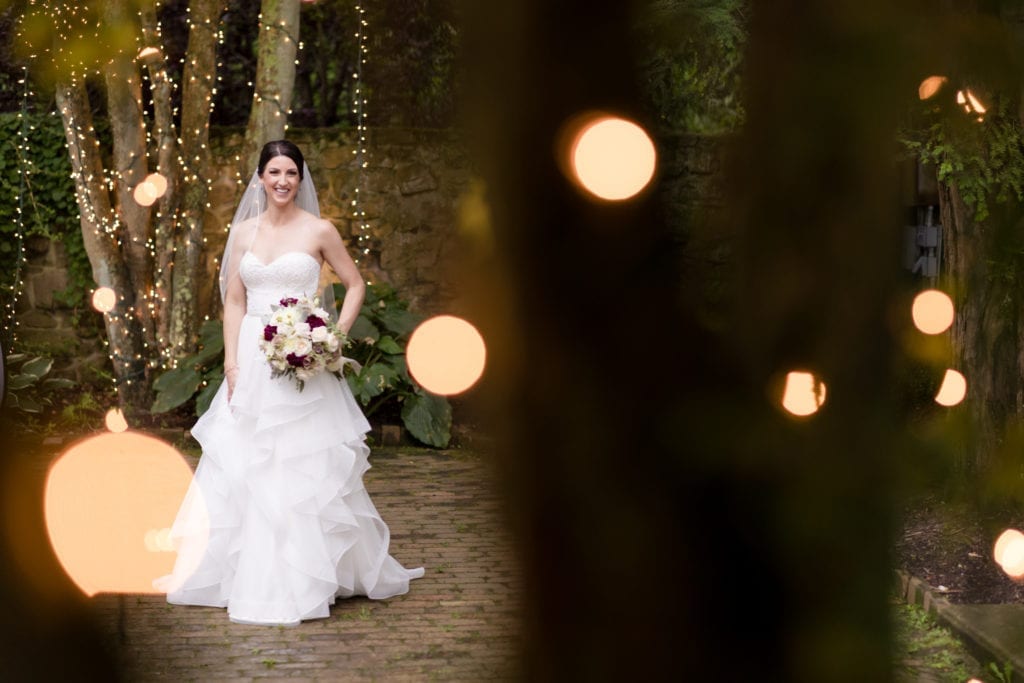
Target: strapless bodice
(290, 274)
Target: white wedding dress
(280, 485)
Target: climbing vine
(982, 155)
(49, 208)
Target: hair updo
(279, 148)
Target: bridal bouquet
(300, 341)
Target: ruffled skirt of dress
(280, 489)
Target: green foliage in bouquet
(27, 383)
(378, 339)
(197, 375)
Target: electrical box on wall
(922, 244)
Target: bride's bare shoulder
(245, 227)
(242, 233)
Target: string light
(76, 44)
(362, 228)
(17, 286)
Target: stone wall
(409, 190)
(45, 322)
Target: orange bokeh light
(446, 355)
(145, 193)
(932, 311)
(104, 299)
(108, 503)
(1009, 552)
(976, 104)
(930, 86)
(116, 421)
(158, 182)
(612, 158)
(804, 393)
(953, 389)
(970, 103)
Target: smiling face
(281, 180)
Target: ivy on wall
(49, 203)
(691, 63)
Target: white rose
(319, 334)
(302, 329)
(295, 345)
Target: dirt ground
(949, 547)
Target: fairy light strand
(17, 286)
(144, 310)
(362, 231)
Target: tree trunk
(986, 333)
(275, 78)
(166, 138)
(199, 80)
(124, 104)
(101, 234)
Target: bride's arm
(234, 311)
(336, 255)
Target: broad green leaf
(373, 380)
(401, 367)
(211, 341)
(363, 329)
(388, 345)
(37, 367)
(29, 405)
(205, 355)
(172, 377)
(353, 384)
(205, 396)
(59, 383)
(16, 358)
(210, 331)
(19, 381)
(174, 387)
(428, 418)
(400, 323)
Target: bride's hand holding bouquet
(300, 341)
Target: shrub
(377, 342)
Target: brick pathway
(457, 623)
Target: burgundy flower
(295, 360)
(315, 321)
(289, 301)
(269, 331)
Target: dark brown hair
(278, 148)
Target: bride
(276, 523)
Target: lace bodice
(290, 274)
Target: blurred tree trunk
(671, 519)
(986, 334)
(275, 79)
